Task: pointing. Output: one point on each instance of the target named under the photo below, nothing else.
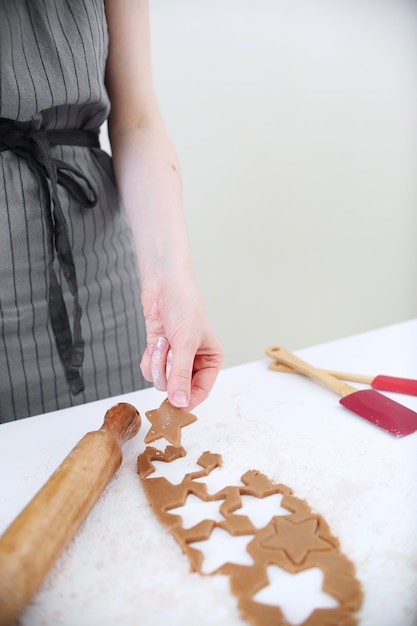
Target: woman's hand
(183, 356)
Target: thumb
(180, 373)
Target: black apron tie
(35, 148)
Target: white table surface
(123, 568)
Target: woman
(72, 326)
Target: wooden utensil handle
(357, 378)
(34, 540)
(281, 355)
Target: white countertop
(123, 567)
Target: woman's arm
(179, 336)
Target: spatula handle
(357, 378)
(282, 355)
(32, 543)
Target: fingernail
(161, 343)
(180, 399)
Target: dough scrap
(295, 542)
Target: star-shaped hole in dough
(175, 471)
(221, 548)
(261, 510)
(297, 540)
(220, 478)
(285, 591)
(167, 422)
(196, 510)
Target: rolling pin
(34, 540)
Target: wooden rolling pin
(33, 541)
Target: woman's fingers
(180, 374)
(159, 364)
(183, 356)
(192, 375)
(188, 378)
(203, 381)
(155, 363)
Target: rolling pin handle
(122, 421)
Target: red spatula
(382, 382)
(368, 403)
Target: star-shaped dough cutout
(167, 422)
(297, 540)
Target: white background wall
(296, 126)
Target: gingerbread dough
(295, 542)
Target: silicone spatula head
(393, 417)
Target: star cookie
(167, 422)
